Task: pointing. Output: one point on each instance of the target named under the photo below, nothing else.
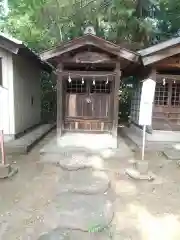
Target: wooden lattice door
(88, 105)
(166, 113)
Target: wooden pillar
(59, 99)
(153, 77)
(116, 99)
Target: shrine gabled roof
(91, 40)
(160, 51)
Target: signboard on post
(146, 105)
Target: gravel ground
(143, 210)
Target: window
(100, 87)
(161, 94)
(1, 76)
(175, 99)
(76, 86)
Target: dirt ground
(143, 210)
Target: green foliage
(168, 19)
(43, 24)
(48, 96)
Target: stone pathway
(42, 200)
(84, 201)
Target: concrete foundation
(141, 166)
(158, 140)
(87, 140)
(140, 171)
(26, 142)
(172, 153)
(77, 151)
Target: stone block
(172, 154)
(136, 175)
(4, 170)
(142, 166)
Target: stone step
(82, 212)
(25, 143)
(79, 161)
(65, 234)
(86, 181)
(69, 161)
(72, 157)
(172, 153)
(56, 146)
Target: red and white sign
(3, 95)
(2, 146)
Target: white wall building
(20, 93)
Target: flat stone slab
(86, 181)
(172, 154)
(7, 171)
(80, 161)
(73, 161)
(82, 212)
(63, 234)
(68, 160)
(136, 175)
(90, 141)
(53, 146)
(24, 144)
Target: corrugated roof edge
(19, 44)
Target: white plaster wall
(26, 86)
(7, 94)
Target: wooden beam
(86, 73)
(169, 76)
(90, 57)
(160, 46)
(59, 51)
(59, 100)
(168, 66)
(12, 47)
(116, 100)
(160, 55)
(90, 40)
(153, 74)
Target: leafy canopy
(44, 23)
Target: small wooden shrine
(89, 71)
(162, 61)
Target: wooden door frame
(168, 111)
(114, 93)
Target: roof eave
(14, 46)
(120, 52)
(44, 64)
